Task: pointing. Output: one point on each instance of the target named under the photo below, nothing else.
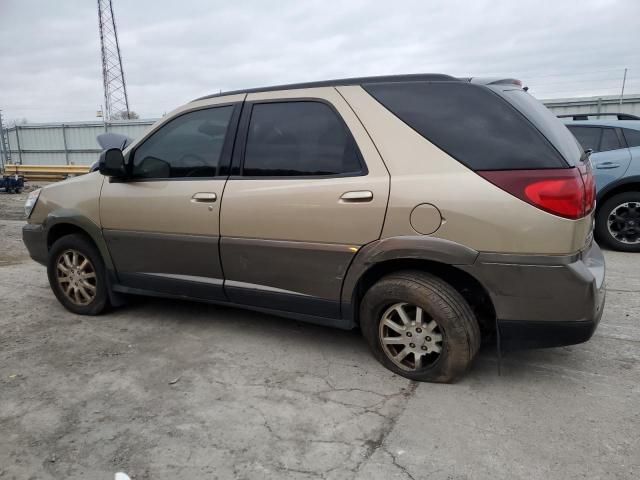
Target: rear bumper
(35, 239)
(544, 301)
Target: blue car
(615, 146)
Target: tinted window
(298, 138)
(609, 140)
(188, 146)
(632, 137)
(469, 122)
(589, 137)
(545, 121)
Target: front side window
(609, 140)
(187, 146)
(302, 138)
(588, 137)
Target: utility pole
(116, 101)
(624, 80)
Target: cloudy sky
(174, 51)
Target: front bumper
(544, 301)
(35, 239)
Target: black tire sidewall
(602, 214)
(456, 354)
(85, 246)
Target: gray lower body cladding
(34, 238)
(539, 300)
(544, 301)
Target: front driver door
(162, 225)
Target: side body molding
(401, 248)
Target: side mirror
(111, 163)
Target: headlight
(31, 202)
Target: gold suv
(427, 210)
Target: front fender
(65, 216)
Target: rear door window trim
(237, 163)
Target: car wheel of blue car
(618, 222)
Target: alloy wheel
(624, 223)
(76, 277)
(410, 338)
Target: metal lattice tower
(115, 88)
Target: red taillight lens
(558, 191)
(589, 186)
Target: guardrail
(50, 173)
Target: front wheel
(420, 327)
(618, 222)
(77, 275)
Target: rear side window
(302, 138)
(588, 137)
(610, 140)
(471, 123)
(632, 137)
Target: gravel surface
(163, 389)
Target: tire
(440, 302)
(93, 275)
(606, 210)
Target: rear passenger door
(307, 190)
(610, 156)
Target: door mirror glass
(111, 163)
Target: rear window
(546, 122)
(471, 123)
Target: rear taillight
(589, 186)
(558, 191)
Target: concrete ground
(164, 389)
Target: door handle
(204, 197)
(357, 196)
(605, 165)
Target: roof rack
(416, 77)
(585, 116)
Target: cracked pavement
(166, 389)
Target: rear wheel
(618, 222)
(77, 275)
(420, 327)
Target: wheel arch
(432, 255)
(627, 184)
(61, 223)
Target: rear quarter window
(471, 123)
(632, 137)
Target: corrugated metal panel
(131, 131)
(83, 158)
(41, 139)
(13, 143)
(83, 138)
(42, 158)
(42, 144)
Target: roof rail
(585, 116)
(414, 77)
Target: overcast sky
(50, 67)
